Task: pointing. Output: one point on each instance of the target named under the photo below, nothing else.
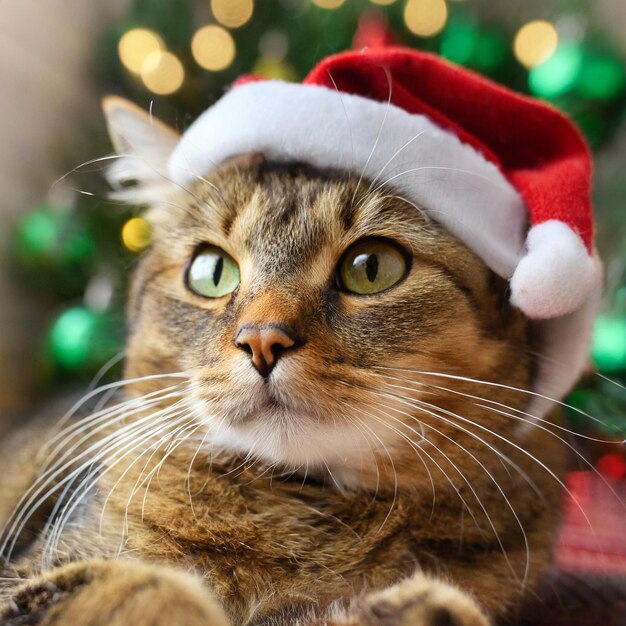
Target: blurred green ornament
(596, 411)
(601, 78)
(491, 51)
(580, 403)
(464, 43)
(559, 74)
(82, 340)
(459, 40)
(608, 346)
(56, 250)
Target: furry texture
(376, 477)
(481, 160)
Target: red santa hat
(508, 175)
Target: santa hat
(506, 174)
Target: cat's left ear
(144, 145)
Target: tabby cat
(322, 421)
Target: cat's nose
(265, 344)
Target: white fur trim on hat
(379, 142)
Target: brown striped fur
(294, 510)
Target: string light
(425, 18)
(535, 43)
(162, 73)
(136, 46)
(232, 13)
(328, 4)
(136, 234)
(213, 48)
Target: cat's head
(341, 318)
(312, 311)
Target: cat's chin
(299, 443)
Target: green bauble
(602, 77)
(598, 411)
(465, 43)
(56, 250)
(81, 340)
(609, 344)
(559, 74)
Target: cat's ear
(144, 145)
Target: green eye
(371, 266)
(213, 273)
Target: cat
(322, 422)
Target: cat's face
(251, 288)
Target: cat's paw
(421, 601)
(113, 593)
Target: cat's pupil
(371, 267)
(217, 273)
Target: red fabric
(593, 535)
(246, 79)
(537, 148)
(612, 466)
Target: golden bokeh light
(535, 43)
(213, 48)
(232, 13)
(382, 2)
(328, 4)
(425, 18)
(162, 73)
(136, 46)
(136, 234)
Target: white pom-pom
(557, 274)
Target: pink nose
(265, 344)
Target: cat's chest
(265, 546)
(252, 535)
(273, 524)
(249, 536)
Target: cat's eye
(371, 266)
(213, 273)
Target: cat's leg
(112, 593)
(416, 601)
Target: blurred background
(66, 250)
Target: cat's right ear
(143, 145)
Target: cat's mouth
(266, 401)
(269, 407)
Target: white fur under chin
(295, 443)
